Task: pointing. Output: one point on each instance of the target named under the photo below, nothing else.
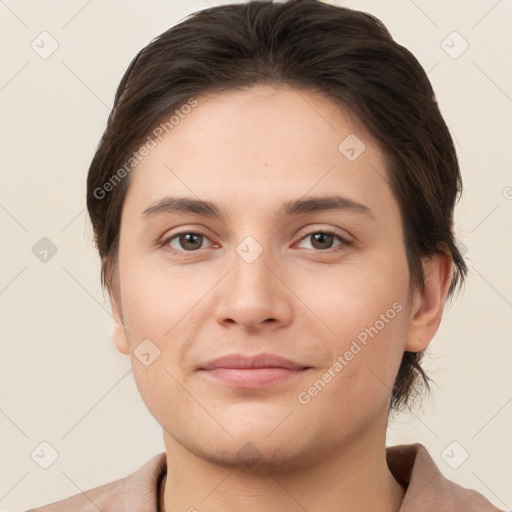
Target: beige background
(62, 380)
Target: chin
(254, 449)
(252, 456)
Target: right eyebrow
(174, 204)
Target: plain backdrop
(63, 382)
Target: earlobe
(118, 331)
(111, 278)
(428, 308)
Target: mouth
(257, 371)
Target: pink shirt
(427, 489)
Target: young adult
(272, 201)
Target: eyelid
(168, 238)
(343, 235)
(345, 241)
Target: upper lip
(252, 361)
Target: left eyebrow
(190, 205)
(170, 204)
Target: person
(272, 201)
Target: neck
(354, 477)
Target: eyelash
(344, 242)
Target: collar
(411, 465)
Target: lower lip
(252, 377)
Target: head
(252, 106)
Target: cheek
(363, 318)
(159, 305)
(154, 298)
(160, 391)
(346, 300)
(356, 385)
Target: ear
(110, 277)
(118, 331)
(427, 308)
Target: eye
(185, 241)
(322, 239)
(191, 241)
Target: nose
(255, 293)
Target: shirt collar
(411, 465)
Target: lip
(256, 371)
(242, 361)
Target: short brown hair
(345, 54)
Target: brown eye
(323, 240)
(190, 241)
(186, 241)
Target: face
(266, 275)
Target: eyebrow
(173, 204)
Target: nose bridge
(251, 293)
(251, 262)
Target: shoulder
(107, 498)
(426, 487)
(137, 489)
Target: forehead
(248, 148)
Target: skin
(249, 151)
